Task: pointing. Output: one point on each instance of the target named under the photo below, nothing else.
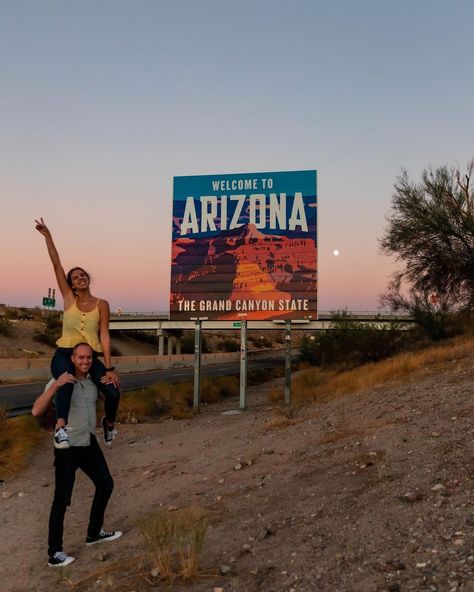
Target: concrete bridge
(171, 330)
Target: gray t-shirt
(82, 414)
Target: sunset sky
(103, 102)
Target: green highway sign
(237, 325)
(49, 302)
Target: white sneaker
(104, 536)
(61, 439)
(60, 559)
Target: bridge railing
(369, 315)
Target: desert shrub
(259, 375)
(442, 324)
(6, 328)
(177, 399)
(352, 343)
(18, 436)
(210, 392)
(187, 344)
(260, 341)
(214, 389)
(309, 351)
(228, 345)
(174, 540)
(19, 313)
(318, 384)
(50, 331)
(135, 405)
(280, 337)
(228, 386)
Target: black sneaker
(104, 536)
(109, 433)
(60, 559)
(61, 439)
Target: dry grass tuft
(278, 421)
(174, 399)
(316, 384)
(18, 436)
(282, 418)
(136, 404)
(174, 540)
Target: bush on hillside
(352, 343)
(50, 331)
(260, 341)
(6, 328)
(228, 345)
(187, 344)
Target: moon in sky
(335, 252)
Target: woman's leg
(61, 363)
(111, 393)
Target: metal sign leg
(288, 363)
(197, 365)
(243, 365)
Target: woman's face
(79, 280)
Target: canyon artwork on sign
(244, 246)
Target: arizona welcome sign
(244, 246)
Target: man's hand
(40, 406)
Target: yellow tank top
(80, 327)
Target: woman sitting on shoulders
(85, 320)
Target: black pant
(89, 459)
(61, 363)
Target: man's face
(82, 358)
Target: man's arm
(41, 404)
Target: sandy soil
(318, 505)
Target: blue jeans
(61, 363)
(89, 459)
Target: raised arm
(41, 404)
(66, 291)
(104, 335)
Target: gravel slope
(371, 492)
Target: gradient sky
(103, 102)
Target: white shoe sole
(68, 561)
(117, 535)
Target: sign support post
(197, 365)
(288, 363)
(244, 249)
(243, 365)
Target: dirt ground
(21, 344)
(367, 493)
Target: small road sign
(49, 302)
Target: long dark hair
(70, 272)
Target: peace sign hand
(41, 227)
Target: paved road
(21, 396)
